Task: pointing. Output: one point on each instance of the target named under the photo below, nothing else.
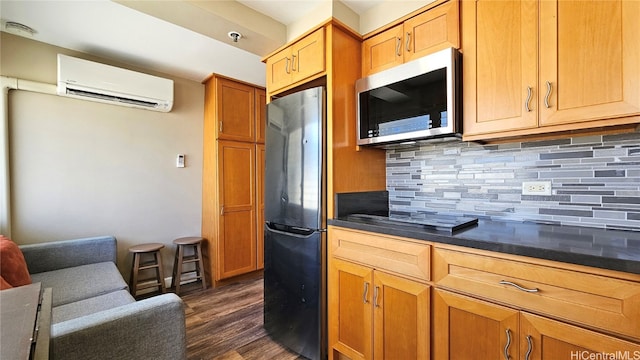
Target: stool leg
(134, 274)
(175, 268)
(179, 271)
(200, 266)
(160, 271)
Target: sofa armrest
(69, 253)
(153, 328)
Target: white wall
(81, 168)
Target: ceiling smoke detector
(235, 36)
(19, 29)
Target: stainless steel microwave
(414, 101)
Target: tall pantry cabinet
(233, 168)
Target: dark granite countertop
(607, 249)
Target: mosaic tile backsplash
(595, 180)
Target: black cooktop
(448, 223)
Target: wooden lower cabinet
(376, 315)
(469, 328)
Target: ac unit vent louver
(93, 81)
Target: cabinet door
(467, 328)
(547, 339)
(433, 30)
(279, 70)
(236, 114)
(590, 57)
(382, 51)
(499, 65)
(261, 115)
(260, 204)
(401, 318)
(307, 56)
(236, 189)
(350, 294)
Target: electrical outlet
(536, 188)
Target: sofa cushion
(81, 282)
(91, 305)
(13, 267)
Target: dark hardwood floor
(226, 324)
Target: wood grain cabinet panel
(350, 314)
(236, 110)
(405, 258)
(499, 65)
(299, 61)
(260, 164)
(383, 51)
(232, 178)
(435, 29)
(612, 305)
(535, 67)
(470, 328)
(589, 52)
(237, 237)
(374, 314)
(261, 114)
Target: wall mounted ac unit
(93, 81)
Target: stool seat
(196, 271)
(190, 240)
(152, 251)
(144, 248)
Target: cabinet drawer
(392, 254)
(603, 302)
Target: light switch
(180, 161)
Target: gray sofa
(93, 315)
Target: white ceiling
(114, 31)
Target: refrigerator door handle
(291, 230)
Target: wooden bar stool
(180, 259)
(140, 264)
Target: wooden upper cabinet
(236, 110)
(590, 59)
(261, 115)
(297, 62)
(499, 65)
(433, 30)
(382, 51)
(589, 52)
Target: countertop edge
(596, 261)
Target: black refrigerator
(295, 223)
